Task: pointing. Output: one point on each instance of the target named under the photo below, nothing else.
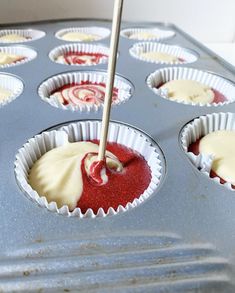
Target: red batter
(219, 98)
(75, 57)
(96, 169)
(95, 96)
(181, 60)
(122, 187)
(194, 148)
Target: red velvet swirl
(79, 58)
(83, 93)
(122, 187)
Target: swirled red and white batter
(6, 58)
(83, 93)
(63, 175)
(81, 58)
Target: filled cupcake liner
(31, 34)
(163, 75)
(81, 131)
(200, 127)
(26, 52)
(46, 88)
(100, 32)
(187, 55)
(160, 34)
(78, 47)
(13, 84)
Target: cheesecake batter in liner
(164, 75)
(188, 56)
(160, 34)
(200, 127)
(100, 32)
(13, 84)
(23, 51)
(124, 87)
(79, 47)
(29, 34)
(40, 144)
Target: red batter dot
(181, 60)
(219, 98)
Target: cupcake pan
(181, 239)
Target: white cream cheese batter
(143, 36)
(221, 145)
(159, 57)
(188, 91)
(12, 38)
(4, 94)
(79, 36)
(6, 58)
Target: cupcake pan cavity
(200, 127)
(159, 34)
(84, 48)
(185, 54)
(124, 87)
(100, 32)
(13, 84)
(164, 75)
(27, 52)
(181, 239)
(29, 34)
(40, 144)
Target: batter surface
(63, 176)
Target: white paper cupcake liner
(200, 127)
(30, 34)
(187, 55)
(159, 34)
(79, 131)
(77, 47)
(26, 52)
(13, 84)
(100, 32)
(163, 75)
(46, 88)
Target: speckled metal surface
(182, 239)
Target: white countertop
(225, 50)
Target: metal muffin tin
(182, 239)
